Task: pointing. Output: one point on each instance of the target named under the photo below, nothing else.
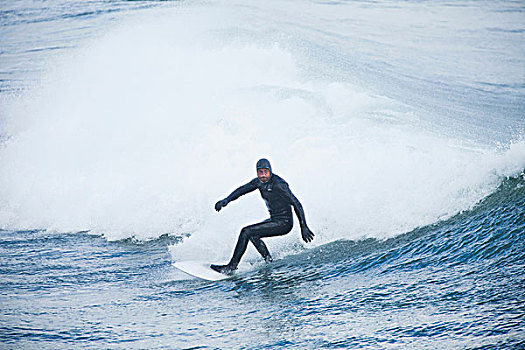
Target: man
(279, 200)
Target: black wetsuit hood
(264, 163)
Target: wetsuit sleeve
(241, 191)
(297, 207)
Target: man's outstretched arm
(249, 187)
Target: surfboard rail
(200, 269)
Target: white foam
(139, 132)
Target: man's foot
(268, 259)
(225, 269)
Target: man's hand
(221, 204)
(307, 235)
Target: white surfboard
(200, 269)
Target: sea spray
(130, 142)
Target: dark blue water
(457, 284)
(399, 125)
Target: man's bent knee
(245, 233)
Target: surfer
(279, 200)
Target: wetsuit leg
(261, 248)
(254, 233)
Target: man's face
(263, 175)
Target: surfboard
(200, 270)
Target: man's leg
(256, 232)
(261, 248)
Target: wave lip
(487, 238)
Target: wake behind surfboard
(200, 269)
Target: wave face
(399, 126)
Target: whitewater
(398, 124)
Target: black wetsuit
(279, 201)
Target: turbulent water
(398, 124)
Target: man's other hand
(307, 235)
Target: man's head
(264, 170)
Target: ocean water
(398, 124)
